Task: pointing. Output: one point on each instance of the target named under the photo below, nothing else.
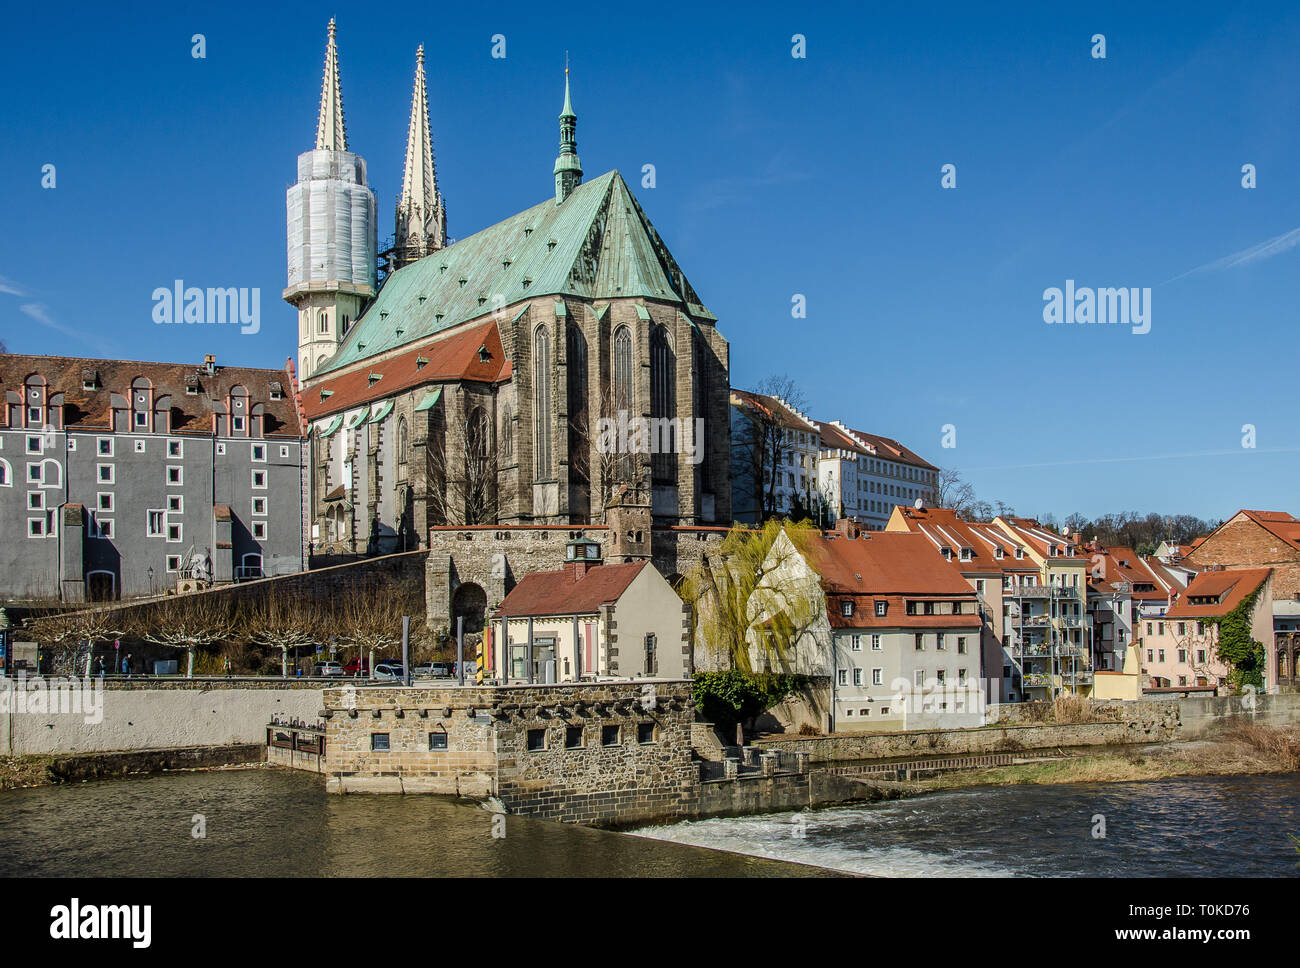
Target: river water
(274, 823)
(280, 824)
(1195, 827)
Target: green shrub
(731, 696)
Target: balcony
(1031, 650)
(1077, 678)
(1035, 680)
(1027, 591)
(1067, 650)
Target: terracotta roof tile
(556, 593)
(1228, 588)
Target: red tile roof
(556, 593)
(190, 414)
(1228, 588)
(455, 356)
(891, 449)
(1278, 523)
(769, 406)
(944, 526)
(891, 567)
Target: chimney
(210, 364)
(848, 527)
(1077, 537)
(580, 557)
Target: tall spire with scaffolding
(331, 134)
(421, 216)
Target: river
(280, 824)
(1234, 826)
(273, 823)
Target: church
(462, 383)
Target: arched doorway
(469, 602)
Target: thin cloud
(10, 288)
(1256, 253)
(41, 313)
(1141, 459)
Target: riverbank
(1242, 750)
(38, 769)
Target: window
(918, 677)
(173, 532)
(881, 608)
(175, 503)
(938, 675)
(609, 736)
(846, 609)
(221, 449)
(855, 643)
(106, 473)
(1200, 655)
(322, 322)
(1148, 628)
(848, 712)
(645, 733)
(35, 527)
(651, 656)
(139, 446)
(259, 478)
(103, 529)
(536, 740)
(259, 506)
(541, 404)
(379, 742)
(843, 677)
(877, 677)
(573, 737)
(141, 419)
(1149, 655)
(173, 562)
(259, 452)
(284, 451)
(1182, 655)
(105, 501)
(1160, 655)
(105, 446)
(663, 400)
(237, 424)
(961, 645)
(35, 445)
(5, 477)
(36, 500)
(1160, 628)
(938, 641)
(438, 740)
(961, 676)
(259, 530)
(920, 642)
(154, 523)
(857, 677)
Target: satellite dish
(1065, 531)
(918, 504)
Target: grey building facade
(119, 479)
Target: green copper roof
(598, 244)
(430, 398)
(330, 427)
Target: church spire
(568, 169)
(331, 135)
(421, 218)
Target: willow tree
(757, 597)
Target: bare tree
(277, 620)
(761, 443)
(190, 622)
(74, 633)
(369, 618)
(462, 471)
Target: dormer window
(421, 362)
(1020, 553)
(998, 553)
(374, 378)
(946, 552)
(483, 355)
(881, 608)
(846, 608)
(966, 554)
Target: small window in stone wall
(438, 740)
(379, 742)
(645, 733)
(609, 736)
(573, 737)
(536, 740)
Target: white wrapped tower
(331, 222)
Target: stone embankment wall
(150, 715)
(1208, 714)
(594, 754)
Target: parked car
(425, 670)
(327, 668)
(357, 667)
(388, 672)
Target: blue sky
(775, 176)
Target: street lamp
(151, 588)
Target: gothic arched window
(579, 429)
(663, 398)
(622, 369)
(507, 434)
(541, 404)
(403, 444)
(323, 321)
